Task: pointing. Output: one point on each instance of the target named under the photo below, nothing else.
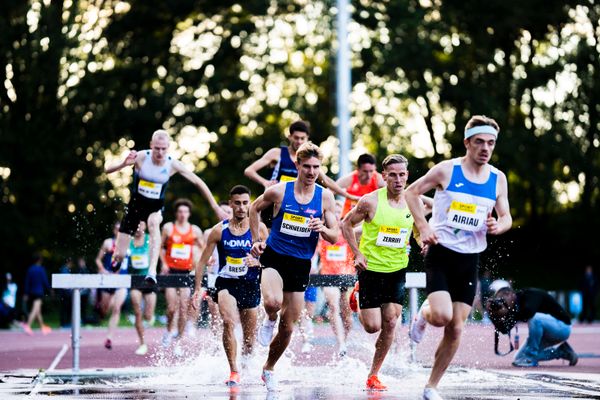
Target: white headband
(480, 129)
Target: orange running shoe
(234, 379)
(353, 301)
(46, 329)
(374, 384)
(27, 329)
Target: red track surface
(20, 351)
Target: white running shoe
(265, 332)
(431, 394)
(417, 328)
(177, 350)
(142, 350)
(167, 339)
(307, 347)
(269, 379)
(343, 350)
(190, 329)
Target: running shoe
(431, 394)
(525, 363)
(27, 329)
(354, 298)
(177, 350)
(307, 347)
(265, 332)
(343, 350)
(373, 383)
(167, 339)
(269, 379)
(150, 279)
(46, 329)
(234, 379)
(108, 344)
(142, 350)
(418, 325)
(566, 352)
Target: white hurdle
(76, 282)
(414, 282)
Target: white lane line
(39, 380)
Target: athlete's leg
(121, 246)
(271, 286)
(229, 314)
(332, 297)
(149, 306)
(248, 318)
(389, 314)
(291, 309)
(116, 302)
(136, 303)
(184, 303)
(450, 342)
(172, 304)
(154, 221)
(439, 312)
(346, 312)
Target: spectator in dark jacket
(36, 286)
(589, 291)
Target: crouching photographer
(549, 325)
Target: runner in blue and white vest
(238, 282)
(303, 210)
(467, 191)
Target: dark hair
(239, 189)
(300, 126)
(365, 158)
(182, 202)
(37, 257)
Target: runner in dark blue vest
(238, 282)
(303, 210)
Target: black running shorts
(378, 288)
(294, 271)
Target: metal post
(343, 85)
(75, 327)
(413, 301)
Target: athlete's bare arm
(272, 196)
(131, 159)
(345, 181)
(436, 178)
(334, 187)
(328, 226)
(179, 167)
(164, 235)
(504, 221)
(268, 159)
(364, 211)
(213, 238)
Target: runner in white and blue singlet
(152, 170)
(468, 190)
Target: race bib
(285, 178)
(295, 225)
(466, 216)
(235, 266)
(150, 190)
(391, 236)
(336, 253)
(139, 261)
(181, 250)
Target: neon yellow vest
(384, 239)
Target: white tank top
(460, 210)
(151, 179)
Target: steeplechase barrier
(77, 282)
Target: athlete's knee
(154, 221)
(272, 304)
(286, 328)
(371, 326)
(453, 331)
(439, 318)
